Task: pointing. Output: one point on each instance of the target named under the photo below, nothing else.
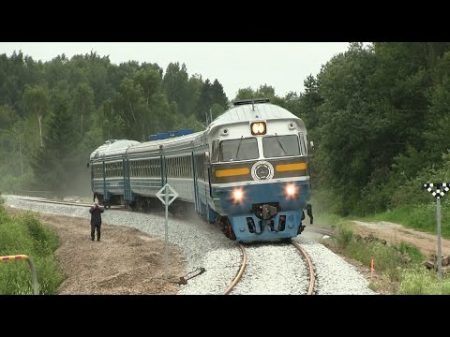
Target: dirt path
(126, 261)
(396, 233)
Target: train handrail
(9, 258)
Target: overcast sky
(236, 65)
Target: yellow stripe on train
(291, 167)
(232, 172)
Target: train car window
(238, 149)
(281, 146)
(183, 169)
(188, 167)
(156, 170)
(168, 167)
(175, 166)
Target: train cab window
(238, 149)
(303, 143)
(215, 151)
(281, 146)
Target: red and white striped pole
(10, 258)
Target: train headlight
(291, 191)
(237, 195)
(258, 128)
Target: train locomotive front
(259, 175)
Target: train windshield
(281, 146)
(238, 149)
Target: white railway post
(438, 190)
(439, 249)
(167, 195)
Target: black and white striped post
(438, 190)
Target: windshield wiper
(281, 145)
(239, 146)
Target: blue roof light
(170, 134)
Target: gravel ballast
(271, 269)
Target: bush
(26, 235)
(419, 281)
(344, 236)
(389, 260)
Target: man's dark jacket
(96, 218)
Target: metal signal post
(167, 195)
(439, 247)
(438, 190)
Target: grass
(391, 261)
(399, 267)
(419, 217)
(26, 235)
(419, 281)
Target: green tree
(52, 164)
(82, 104)
(175, 85)
(246, 93)
(36, 101)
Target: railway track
(179, 213)
(68, 203)
(240, 271)
(311, 269)
(322, 230)
(303, 253)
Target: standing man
(96, 220)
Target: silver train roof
(112, 147)
(167, 143)
(248, 112)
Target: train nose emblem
(262, 170)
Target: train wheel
(227, 229)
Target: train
(248, 171)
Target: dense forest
(54, 114)
(379, 117)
